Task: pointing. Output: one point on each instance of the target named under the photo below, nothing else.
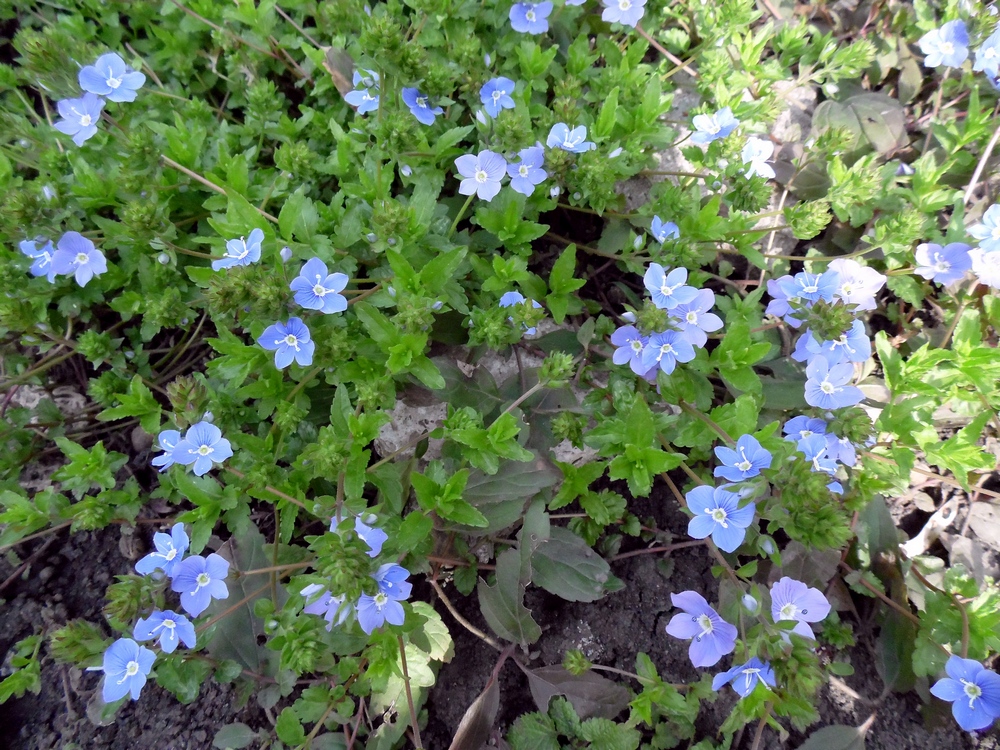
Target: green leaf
(589, 693)
(182, 677)
(138, 402)
(608, 735)
(838, 737)
(566, 566)
(445, 498)
(289, 728)
(961, 454)
(533, 731)
(450, 138)
(298, 218)
(502, 604)
(234, 737)
(606, 119)
(515, 480)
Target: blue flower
(793, 600)
(362, 98)
(986, 267)
(80, 117)
(663, 230)
(827, 387)
(528, 173)
(167, 441)
(853, 283)
(665, 350)
(496, 95)
(841, 449)
(42, 257)
(745, 677)
(374, 611)
(169, 551)
(575, 140)
(319, 601)
(711, 636)
(852, 346)
(170, 627)
(76, 255)
(241, 252)
(988, 230)
(203, 446)
(717, 514)
(988, 55)
(199, 580)
(694, 319)
(509, 299)
(710, 128)
(419, 108)
(481, 174)
(798, 428)
(126, 665)
(668, 290)
(111, 77)
(756, 153)
(943, 265)
(315, 289)
(289, 341)
(948, 45)
(972, 690)
(816, 450)
(530, 18)
(373, 537)
(744, 462)
(625, 12)
(630, 345)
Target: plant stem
(207, 183)
(461, 213)
(414, 723)
(461, 620)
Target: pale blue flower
(630, 345)
(80, 117)
(854, 283)
(710, 128)
(665, 350)
(828, 387)
(668, 290)
(289, 341)
(745, 677)
(365, 95)
(717, 514)
(575, 140)
(625, 12)
(126, 665)
(76, 255)
(988, 55)
(711, 637)
(694, 320)
(316, 289)
(793, 600)
(496, 95)
(199, 580)
(41, 257)
(112, 78)
(481, 174)
(801, 427)
(419, 107)
(988, 230)
(947, 46)
(756, 153)
(744, 462)
(986, 267)
(374, 611)
(203, 446)
(509, 299)
(528, 173)
(168, 552)
(167, 441)
(943, 265)
(169, 627)
(241, 252)
(851, 346)
(972, 690)
(319, 601)
(530, 18)
(370, 535)
(663, 230)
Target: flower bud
(286, 254)
(163, 259)
(750, 603)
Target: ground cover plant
(261, 237)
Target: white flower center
(497, 94)
(940, 264)
(202, 579)
(169, 624)
(637, 346)
(481, 176)
(522, 170)
(85, 120)
(81, 258)
(624, 4)
(846, 289)
(972, 690)
(381, 599)
(530, 15)
(319, 290)
(291, 340)
(995, 234)
(720, 516)
(114, 82)
(204, 450)
(811, 289)
(692, 317)
(805, 434)
(947, 48)
(827, 387)
(665, 349)
(788, 612)
(172, 553)
(713, 126)
(705, 623)
(131, 670)
(422, 102)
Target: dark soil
(71, 579)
